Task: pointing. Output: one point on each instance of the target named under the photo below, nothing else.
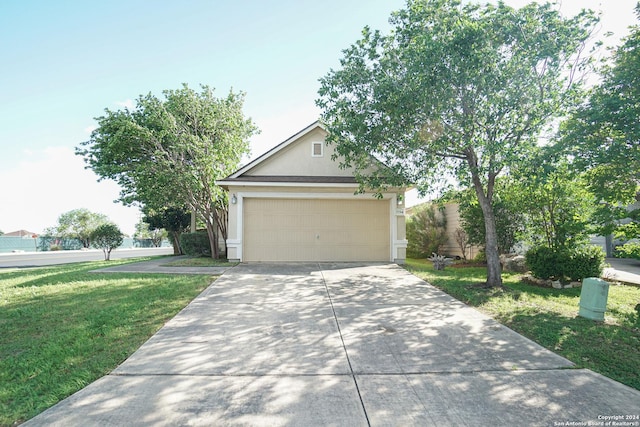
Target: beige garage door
(316, 230)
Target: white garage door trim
(394, 243)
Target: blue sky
(64, 62)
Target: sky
(62, 63)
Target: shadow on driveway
(339, 344)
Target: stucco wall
(451, 247)
(296, 160)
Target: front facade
(295, 204)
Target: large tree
(603, 134)
(508, 214)
(464, 89)
(77, 224)
(169, 151)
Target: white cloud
(53, 181)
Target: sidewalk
(623, 270)
(159, 266)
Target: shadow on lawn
(598, 346)
(550, 317)
(56, 339)
(67, 273)
(311, 344)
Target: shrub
(195, 244)
(106, 237)
(481, 257)
(462, 239)
(586, 261)
(576, 264)
(628, 250)
(545, 263)
(426, 232)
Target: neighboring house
(294, 203)
(452, 215)
(452, 248)
(609, 243)
(20, 233)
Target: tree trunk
(175, 236)
(222, 213)
(494, 271)
(213, 240)
(494, 276)
(210, 219)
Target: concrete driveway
(342, 345)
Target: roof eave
(228, 183)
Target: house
(294, 203)
(20, 233)
(451, 248)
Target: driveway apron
(339, 344)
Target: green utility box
(593, 298)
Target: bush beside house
(426, 231)
(195, 244)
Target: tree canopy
(555, 204)
(169, 151)
(144, 233)
(77, 224)
(510, 220)
(106, 237)
(453, 89)
(602, 136)
(173, 219)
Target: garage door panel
(316, 230)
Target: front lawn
(63, 327)
(549, 317)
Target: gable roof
(284, 144)
(262, 170)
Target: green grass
(63, 327)
(549, 317)
(200, 262)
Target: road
(38, 259)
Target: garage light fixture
(234, 199)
